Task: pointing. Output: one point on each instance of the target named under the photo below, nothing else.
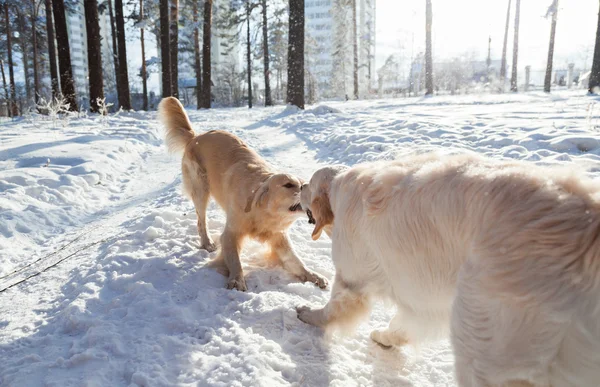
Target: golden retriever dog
(505, 255)
(258, 202)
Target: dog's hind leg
(196, 185)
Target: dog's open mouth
(296, 207)
(311, 220)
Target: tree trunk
(64, 54)
(165, 53)
(503, 65)
(513, 78)
(595, 74)
(355, 45)
(428, 57)
(94, 54)
(55, 85)
(5, 86)
(548, 79)
(113, 34)
(36, 80)
(206, 65)
(197, 67)
(174, 47)
(268, 100)
(144, 71)
(24, 52)
(249, 54)
(123, 79)
(14, 111)
(295, 90)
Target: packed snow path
(129, 302)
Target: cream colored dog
(258, 202)
(506, 255)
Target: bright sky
(462, 26)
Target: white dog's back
(518, 249)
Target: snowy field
(95, 205)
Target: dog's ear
(321, 211)
(259, 197)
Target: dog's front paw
(309, 316)
(237, 283)
(315, 278)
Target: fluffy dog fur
(258, 202)
(505, 254)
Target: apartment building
(329, 45)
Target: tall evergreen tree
(249, 52)
(23, 41)
(123, 79)
(428, 58)
(513, 77)
(206, 65)
(94, 54)
(197, 64)
(165, 52)
(355, 49)
(144, 72)
(115, 49)
(295, 91)
(174, 46)
(14, 111)
(54, 83)
(503, 64)
(265, 30)
(553, 11)
(64, 54)
(33, 16)
(594, 82)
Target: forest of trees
(34, 44)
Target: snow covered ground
(125, 299)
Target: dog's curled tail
(179, 130)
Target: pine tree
(123, 78)
(115, 49)
(33, 16)
(165, 52)
(341, 43)
(295, 91)
(144, 73)
(594, 82)
(553, 10)
(206, 65)
(94, 54)
(5, 87)
(23, 41)
(174, 47)
(513, 78)
(54, 83)
(266, 65)
(503, 64)
(64, 54)
(355, 46)
(197, 65)
(428, 58)
(14, 111)
(249, 52)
